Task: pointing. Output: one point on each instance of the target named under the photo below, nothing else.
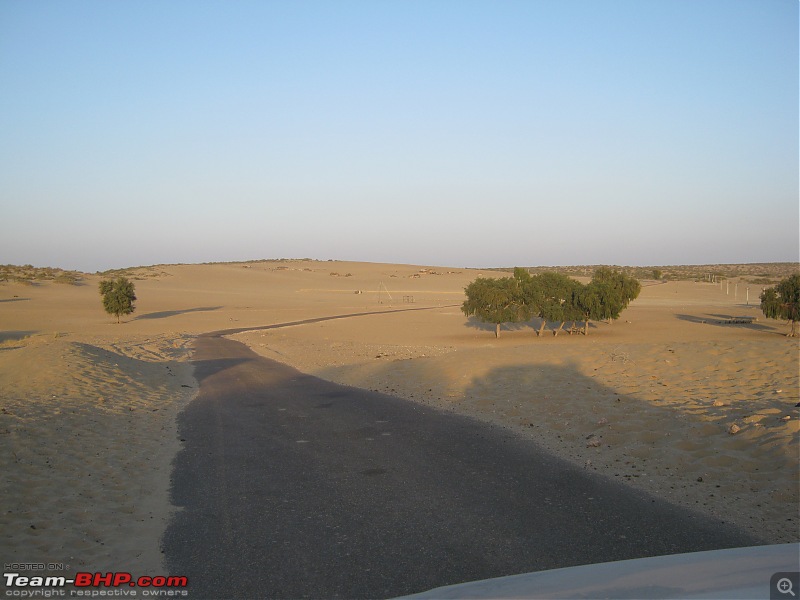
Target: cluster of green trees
(783, 302)
(552, 297)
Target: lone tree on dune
(118, 296)
(783, 302)
(495, 301)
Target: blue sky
(465, 133)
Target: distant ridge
(754, 272)
(763, 273)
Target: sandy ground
(88, 407)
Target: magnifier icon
(784, 586)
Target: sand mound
(89, 431)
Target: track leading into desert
(294, 487)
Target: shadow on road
(204, 369)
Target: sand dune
(87, 419)
(88, 429)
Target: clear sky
(463, 133)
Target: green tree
(551, 297)
(496, 301)
(626, 288)
(606, 296)
(118, 296)
(783, 302)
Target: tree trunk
(560, 327)
(586, 327)
(541, 327)
(793, 332)
(497, 330)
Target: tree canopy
(495, 301)
(783, 302)
(118, 296)
(552, 297)
(606, 295)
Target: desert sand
(88, 407)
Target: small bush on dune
(67, 278)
